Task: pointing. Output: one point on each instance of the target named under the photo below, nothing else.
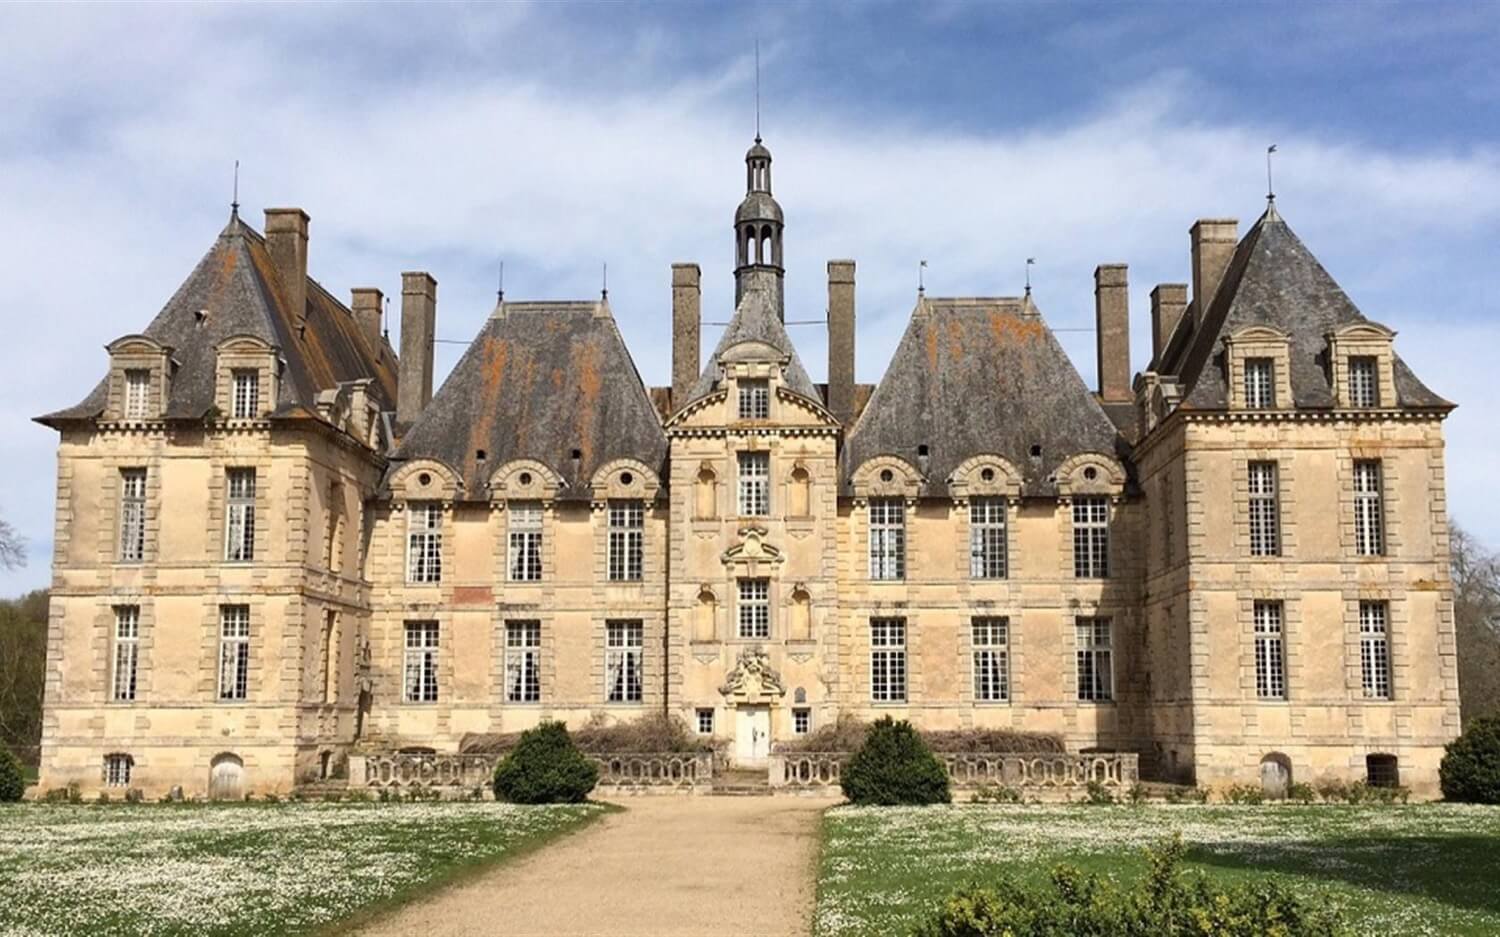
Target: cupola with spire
(758, 224)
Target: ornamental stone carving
(753, 680)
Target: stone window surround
(1258, 341)
(246, 353)
(1397, 635)
(772, 370)
(1286, 501)
(1287, 596)
(1357, 340)
(104, 644)
(1390, 516)
(213, 637)
(139, 352)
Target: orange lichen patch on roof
(586, 364)
(486, 405)
(1009, 328)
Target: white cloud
(115, 184)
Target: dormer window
(137, 393)
(755, 400)
(1260, 383)
(1364, 386)
(245, 402)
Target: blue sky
(560, 137)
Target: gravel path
(666, 866)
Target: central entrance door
(752, 736)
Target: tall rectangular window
(525, 541)
(991, 659)
(132, 515)
(1265, 511)
(1369, 509)
(887, 538)
(755, 484)
(523, 661)
(627, 530)
(1260, 383)
(127, 652)
(424, 542)
(755, 608)
(239, 515)
(234, 652)
(137, 393)
(1091, 537)
(245, 397)
(623, 667)
(1095, 655)
(888, 660)
(755, 400)
(1270, 651)
(420, 670)
(1375, 649)
(987, 538)
(1364, 390)
(330, 655)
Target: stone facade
(979, 541)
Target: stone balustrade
(456, 772)
(1054, 771)
(681, 770)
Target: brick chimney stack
(687, 325)
(841, 340)
(1168, 303)
(1112, 331)
(418, 325)
(1214, 240)
(286, 241)
(368, 305)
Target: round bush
(1470, 771)
(894, 766)
(545, 767)
(11, 784)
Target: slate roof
(539, 381)
(755, 320)
(976, 376)
(1274, 280)
(237, 283)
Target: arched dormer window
(1361, 366)
(1258, 361)
(140, 378)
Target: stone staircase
(741, 782)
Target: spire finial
(1029, 262)
(921, 279)
(757, 89)
(387, 327)
(234, 204)
(1270, 189)
(500, 287)
(604, 282)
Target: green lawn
(1421, 869)
(244, 868)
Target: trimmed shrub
(12, 785)
(847, 733)
(650, 734)
(1470, 770)
(1164, 903)
(895, 766)
(545, 768)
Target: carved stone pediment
(753, 680)
(752, 551)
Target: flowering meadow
(242, 868)
(1410, 870)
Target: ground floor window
(888, 660)
(801, 720)
(421, 671)
(624, 645)
(991, 659)
(1095, 660)
(1382, 771)
(523, 652)
(117, 769)
(705, 722)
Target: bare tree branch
(12, 547)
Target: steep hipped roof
(539, 381)
(755, 320)
(978, 376)
(1274, 280)
(236, 283)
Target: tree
(12, 547)
(23, 665)
(1476, 618)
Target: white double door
(752, 736)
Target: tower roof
(755, 320)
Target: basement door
(752, 736)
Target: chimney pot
(841, 340)
(1112, 331)
(286, 242)
(418, 324)
(687, 326)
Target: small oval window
(424, 479)
(886, 475)
(1091, 473)
(626, 478)
(987, 475)
(524, 478)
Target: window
(1265, 512)
(1091, 537)
(127, 652)
(117, 770)
(627, 528)
(755, 484)
(888, 660)
(421, 664)
(1375, 649)
(1382, 771)
(132, 515)
(991, 659)
(330, 655)
(245, 402)
(331, 535)
(424, 543)
(525, 541)
(887, 538)
(987, 538)
(1363, 389)
(234, 652)
(624, 643)
(137, 393)
(1260, 384)
(239, 516)
(755, 608)
(1369, 510)
(523, 658)
(1095, 660)
(705, 722)
(1270, 652)
(755, 400)
(801, 720)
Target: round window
(1091, 473)
(987, 475)
(424, 479)
(524, 478)
(886, 475)
(626, 478)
